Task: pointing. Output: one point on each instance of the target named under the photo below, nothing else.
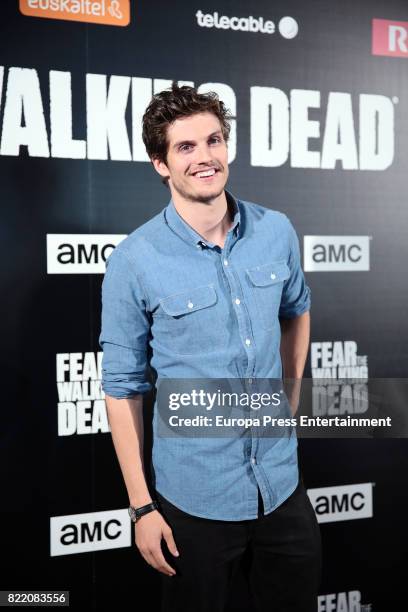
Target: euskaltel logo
(104, 12)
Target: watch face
(132, 513)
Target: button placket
(242, 312)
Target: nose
(203, 154)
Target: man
(212, 287)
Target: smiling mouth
(205, 174)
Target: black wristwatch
(136, 513)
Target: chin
(212, 191)
(207, 196)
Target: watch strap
(139, 512)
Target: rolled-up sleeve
(296, 295)
(124, 329)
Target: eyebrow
(182, 142)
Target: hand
(149, 530)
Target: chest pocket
(266, 283)
(187, 323)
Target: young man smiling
(212, 287)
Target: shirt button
(247, 342)
(237, 301)
(250, 381)
(253, 460)
(190, 304)
(273, 276)
(225, 262)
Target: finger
(161, 562)
(150, 559)
(171, 545)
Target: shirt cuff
(297, 309)
(125, 388)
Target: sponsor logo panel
(342, 503)
(336, 253)
(390, 38)
(89, 532)
(80, 253)
(105, 12)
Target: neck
(211, 220)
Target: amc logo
(80, 253)
(390, 38)
(336, 253)
(343, 503)
(77, 533)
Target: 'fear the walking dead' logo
(81, 400)
(340, 378)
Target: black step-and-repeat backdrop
(319, 92)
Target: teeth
(207, 173)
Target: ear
(161, 168)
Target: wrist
(137, 513)
(141, 500)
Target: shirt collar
(176, 222)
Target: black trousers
(285, 549)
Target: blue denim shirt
(187, 308)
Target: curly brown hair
(173, 103)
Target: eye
(215, 139)
(185, 147)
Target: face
(197, 158)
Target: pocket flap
(189, 301)
(270, 273)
